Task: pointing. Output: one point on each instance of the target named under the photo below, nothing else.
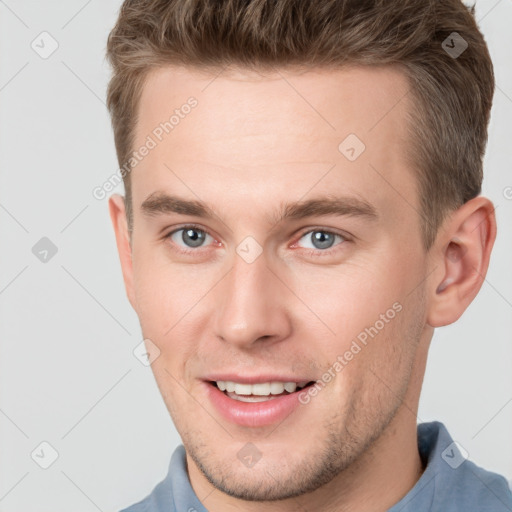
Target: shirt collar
(451, 482)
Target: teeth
(276, 388)
(251, 398)
(290, 386)
(260, 389)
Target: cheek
(367, 306)
(154, 295)
(351, 297)
(171, 305)
(164, 291)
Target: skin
(252, 143)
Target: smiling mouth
(260, 392)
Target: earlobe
(461, 257)
(119, 222)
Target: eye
(190, 237)
(319, 239)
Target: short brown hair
(453, 94)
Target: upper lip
(256, 379)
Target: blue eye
(189, 237)
(320, 239)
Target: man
(302, 210)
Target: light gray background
(67, 332)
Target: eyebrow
(159, 203)
(340, 206)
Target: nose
(251, 305)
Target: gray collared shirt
(450, 483)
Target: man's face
(262, 291)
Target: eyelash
(311, 252)
(318, 253)
(182, 228)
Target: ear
(460, 256)
(117, 210)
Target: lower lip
(253, 414)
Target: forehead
(288, 127)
